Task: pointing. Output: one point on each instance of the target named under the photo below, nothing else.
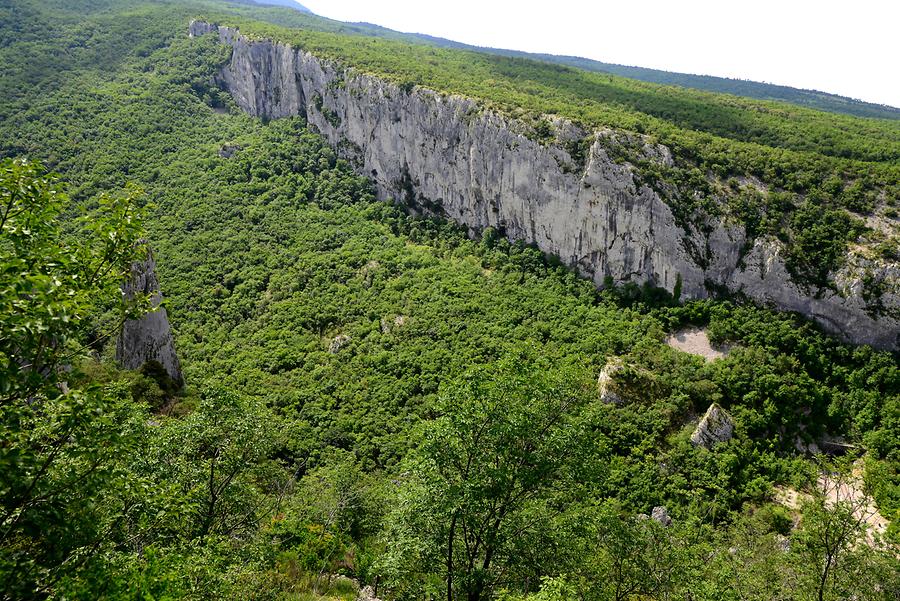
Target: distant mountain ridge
(282, 3)
(815, 99)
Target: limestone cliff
(150, 337)
(446, 154)
(715, 427)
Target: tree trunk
(824, 578)
(475, 592)
(450, 538)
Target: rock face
(715, 427)
(150, 337)
(661, 515)
(337, 343)
(447, 155)
(606, 383)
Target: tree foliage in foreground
(488, 475)
(508, 492)
(322, 331)
(60, 442)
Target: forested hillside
(814, 99)
(824, 186)
(739, 87)
(750, 89)
(374, 396)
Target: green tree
(635, 558)
(334, 506)
(51, 285)
(831, 557)
(483, 475)
(216, 458)
(61, 446)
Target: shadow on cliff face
(146, 343)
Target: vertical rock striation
(150, 337)
(715, 427)
(446, 155)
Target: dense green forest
(808, 178)
(369, 394)
(737, 87)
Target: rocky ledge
(447, 155)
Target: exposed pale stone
(446, 154)
(849, 490)
(389, 325)
(337, 343)
(150, 337)
(661, 515)
(696, 342)
(606, 382)
(782, 543)
(806, 448)
(366, 593)
(716, 426)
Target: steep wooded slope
(332, 343)
(609, 202)
(750, 89)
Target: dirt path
(696, 342)
(852, 491)
(846, 490)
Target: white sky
(850, 48)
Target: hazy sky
(850, 48)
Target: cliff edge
(446, 155)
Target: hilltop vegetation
(606, 100)
(367, 392)
(813, 99)
(721, 85)
(802, 176)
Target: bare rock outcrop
(148, 338)
(367, 593)
(606, 382)
(661, 515)
(337, 343)
(716, 426)
(448, 155)
(389, 325)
